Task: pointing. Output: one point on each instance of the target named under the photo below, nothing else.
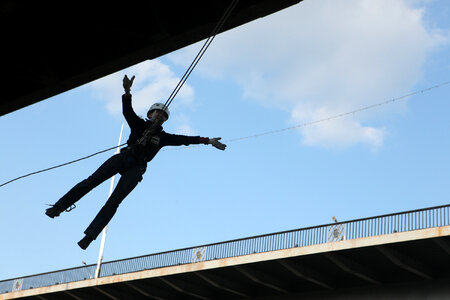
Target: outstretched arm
(177, 140)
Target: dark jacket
(139, 125)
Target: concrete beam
(140, 291)
(72, 295)
(222, 283)
(307, 273)
(191, 291)
(105, 293)
(443, 244)
(145, 293)
(353, 268)
(405, 262)
(263, 279)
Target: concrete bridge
(404, 255)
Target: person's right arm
(130, 116)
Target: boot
(85, 242)
(53, 211)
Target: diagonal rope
(202, 51)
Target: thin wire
(61, 165)
(324, 119)
(202, 51)
(340, 115)
(255, 135)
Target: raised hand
(127, 83)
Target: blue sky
(310, 61)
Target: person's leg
(126, 184)
(109, 168)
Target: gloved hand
(215, 142)
(127, 83)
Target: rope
(202, 51)
(148, 133)
(255, 135)
(61, 165)
(324, 119)
(342, 114)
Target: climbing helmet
(159, 106)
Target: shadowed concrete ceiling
(50, 47)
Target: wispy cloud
(182, 125)
(153, 83)
(325, 57)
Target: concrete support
(419, 290)
(133, 287)
(352, 267)
(72, 295)
(307, 274)
(145, 293)
(222, 283)
(191, 290)
(443, 244)
(404, 262)
(99, 289)
(263, 279)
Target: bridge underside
(390, 267)
(50, 47)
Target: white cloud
(186, 129)
(154, 82)
(341, 133)
(182, 125)
(325, 57)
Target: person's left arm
(168, 139)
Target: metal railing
(385, 224)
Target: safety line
(342, 114)
(254, 135)
(202, 51)
(324, 119)
(61, 165)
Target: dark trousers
(131, 170)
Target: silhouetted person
(146, 139)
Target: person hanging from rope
(146, 139)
